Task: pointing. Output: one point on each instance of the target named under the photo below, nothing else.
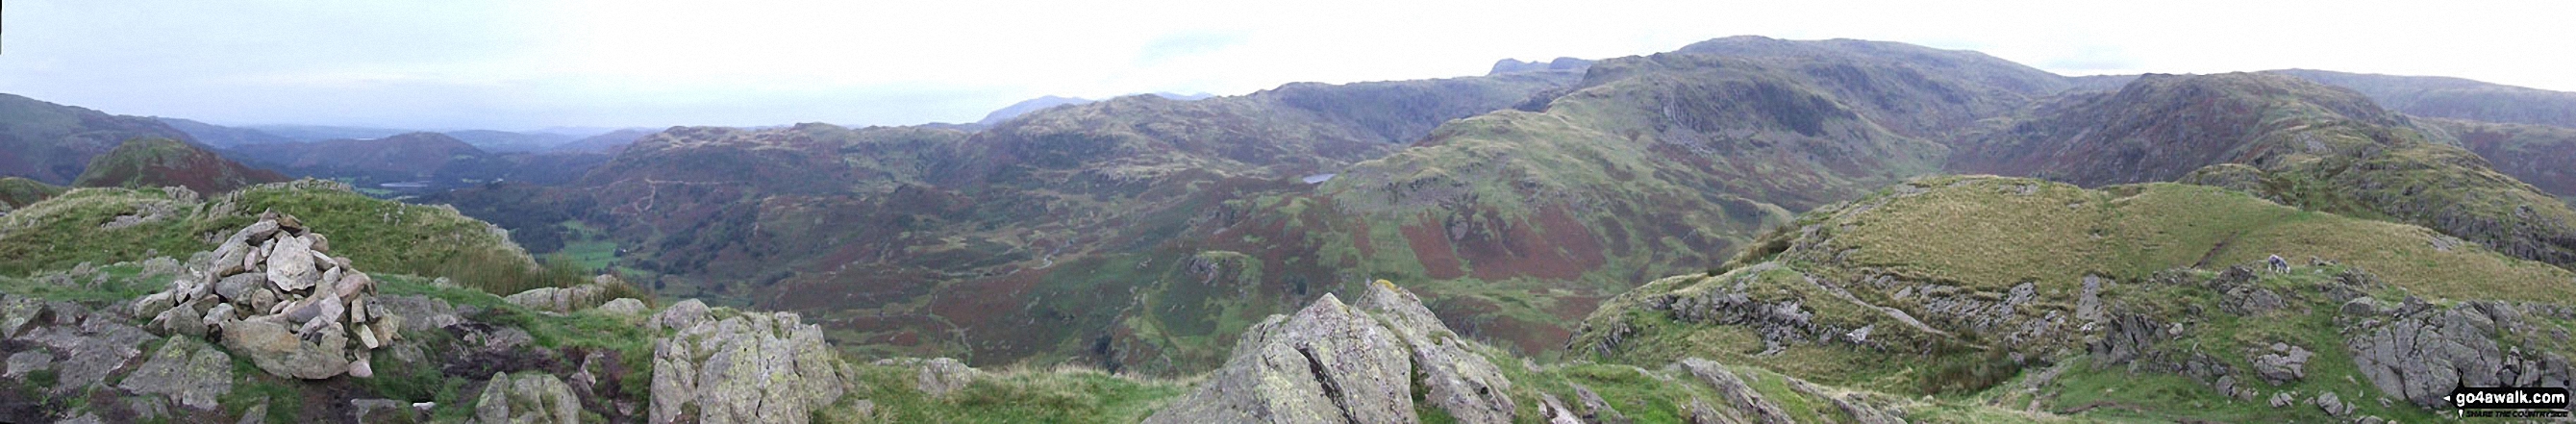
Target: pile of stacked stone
(272, 292)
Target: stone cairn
(273, 293)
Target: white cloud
(514, 64)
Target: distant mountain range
(1743, 229)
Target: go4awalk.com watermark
(2510, 402)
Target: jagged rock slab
(1746, 401)
(1460, 381)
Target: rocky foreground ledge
(271, 327)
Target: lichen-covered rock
(765, 368)
(1327, 363)
(624, 307)
(528, 398)
(17, 313)
(1460, 381)
(1746, 401)
(189, 372)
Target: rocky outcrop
(188, 372)
(1332, 362)
(2285, 363)
(1328, 363)
(82, 346)
(273, 293)
(527, 398)
(2419, 351)
(1469, 387)
(746, 368)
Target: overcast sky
(453, 64)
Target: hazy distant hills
(2457, 98)
(609, 142)
(223, 137)
(1043, 102)
(414, 162)
(53, 143)
(1560, 64)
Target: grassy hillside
(2292, 141)
(930, 241)
(2010, 290)
(161, 162)
(107, 225)
(17, 192)
(1520, 220)
(52, 143)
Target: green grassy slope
(16, 192)
(2293, 141)
(52, 143)
(106, 225)
(1997, 269)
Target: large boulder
(1328, 363)
(559, 299)
(271, 344)
(764, 368)
(528, 398)
(188, 371)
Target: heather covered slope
(1657, 164)
(53, 143)
(2535, 154)
(2016, 291)
(2293, 141)
(162, 162)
